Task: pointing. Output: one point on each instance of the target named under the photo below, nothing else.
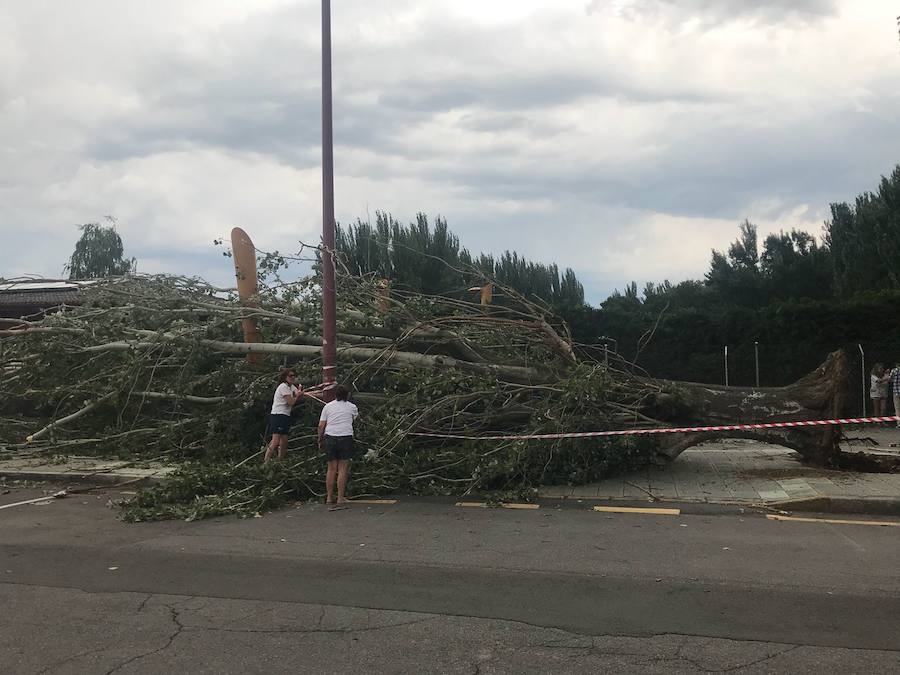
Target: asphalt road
(430, 587)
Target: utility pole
(756, 360)
(726, 365)
(329, 330)
(865, 387)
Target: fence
(777, 364)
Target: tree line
(791, 299)
(430, 260)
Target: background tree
(736, 279)
(98, 253)
(865, 240)
(430, 260)
(795, 266)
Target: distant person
(336, 441)
(287, 394)
(878, 389)
(895, 387)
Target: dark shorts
(280, 424)
(339, 447)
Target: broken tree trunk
(820, 395)
(245, 272)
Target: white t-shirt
(279, 405)
(339, 416)
(879, 386)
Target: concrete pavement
(82, 469)
(738, 471)
(433, 588)
(733, 471)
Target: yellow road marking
(630, 509)
(484, 505)
(832, 521)
(373, 501)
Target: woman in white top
(879, 389)
(286, 396)
(336, 441)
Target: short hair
(283, 374)
(341, 393)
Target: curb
(106, 478)
(876, 506)
(881, 506)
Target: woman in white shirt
(878, 390)
(336, 441)
(286, 396)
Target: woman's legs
(879, 406)
(282, 448)
(343, 468)
(273, 444)
(330, 476)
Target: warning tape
(670, 430)
(319, 389)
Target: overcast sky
(622, 138)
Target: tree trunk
(820, 395)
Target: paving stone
(773, 495)
(556, 491)
(692, 491)
(613, 489)
(631, 491)
(661, 487)
(797, 488)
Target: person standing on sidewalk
(286, 396)
(336, 441)
(895, 390)
(878, 389)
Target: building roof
(42, 299)
(26, 297)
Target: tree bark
(820, 395)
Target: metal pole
(862, 356)
(756, 359)
(329, 330)
(726, 365)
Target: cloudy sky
(622, 138)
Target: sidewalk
(731, 471)
(748, 472)
(84, 469)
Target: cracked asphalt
(426, 587)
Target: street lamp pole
(756, 360)
(606, 348)
(726, 365)
(329, 305)
(862, 358)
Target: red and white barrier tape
(319, 389)
(670, 430)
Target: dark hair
(341, 393)
(283, 375)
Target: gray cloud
(719, 11)
(531, 133)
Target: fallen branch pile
(151, 367)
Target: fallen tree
(821, 394)
(153, 366)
